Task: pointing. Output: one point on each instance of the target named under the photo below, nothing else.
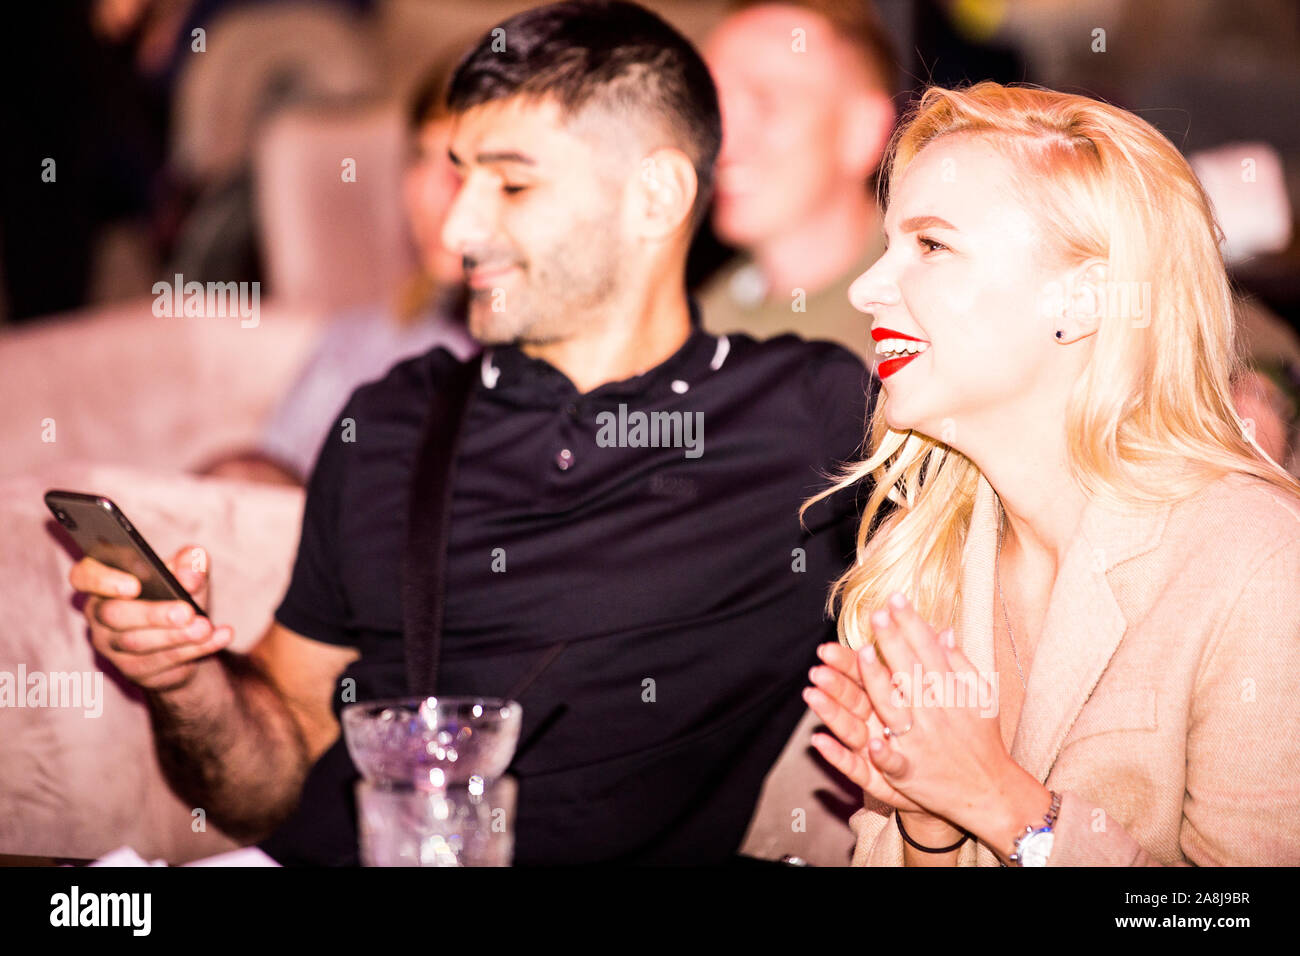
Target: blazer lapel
(975, 612)
(1083, 627)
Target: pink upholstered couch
(130, 402)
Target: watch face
(1035, 848)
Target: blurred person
(90, 153)
(585, 151)
(806, 94)
(82, 160)
(364, 344)
(163, 30)
(1266, 390)
(1088, 536)
(1245, 183)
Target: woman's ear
(1085, 302)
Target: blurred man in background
(806, 93)
(365, 343)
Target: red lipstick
(889, 366)
(880, 334)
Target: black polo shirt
(692, 597)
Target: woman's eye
(930, 245)
(512, 190)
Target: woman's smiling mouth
(899, 347)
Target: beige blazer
(1164, 697)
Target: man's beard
(549, 303)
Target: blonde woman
(1077, 618)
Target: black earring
(1060, 333)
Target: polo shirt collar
(509, 372)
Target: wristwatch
(1034, 846)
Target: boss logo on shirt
(673, 486)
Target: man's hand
(155, 644)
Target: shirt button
(679, 386)
(571, 410)
(564, 459)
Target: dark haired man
(688, 597)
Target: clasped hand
(944, 757)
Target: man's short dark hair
(586, 52)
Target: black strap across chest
(424, 564)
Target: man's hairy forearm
(228, 744)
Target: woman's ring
(890, 732)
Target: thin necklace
(997, 577)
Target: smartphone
(103, 532)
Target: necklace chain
(997, 577)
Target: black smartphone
(103, 532)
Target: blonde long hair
(1151, 418)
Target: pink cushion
(77, 785)
(123, 386)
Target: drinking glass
(432, 791)
(469, 824)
